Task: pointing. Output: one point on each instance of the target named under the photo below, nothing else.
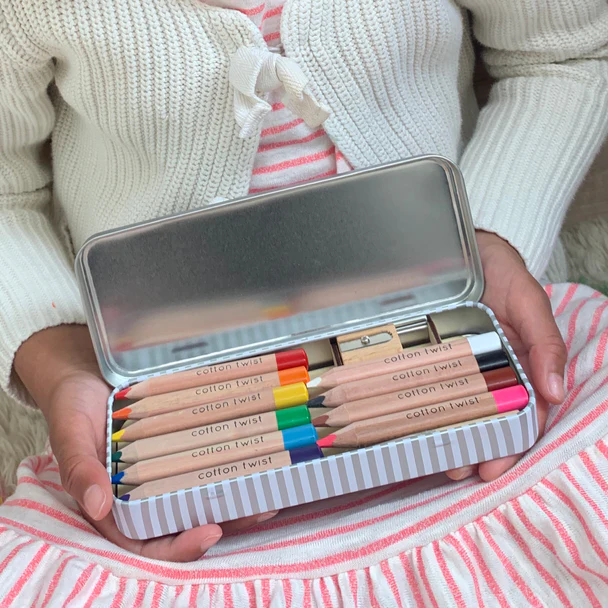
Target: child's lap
(430, 540)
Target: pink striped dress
(537, 536)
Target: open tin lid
(266, 272)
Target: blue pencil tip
(117, 478)
(125, 497)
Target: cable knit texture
(141, 113)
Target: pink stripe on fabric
(55, 580)
(98, 589)
(272, 36)
(327, 601)
(390, 579)
(287, 593)
(373, 600)
(194, 589)
(593, 470)
(577, 486)
(447, 575)
(41, 484)
(122, 587)
(291, 142)
(250, 12)
(534, 531)
(595, 322)
(525, 547)
(273, 12)
(39, 507)
(294, 162)
(508, 566)
(549, 290)
(468, 563)
(281, 128)
(485, 571)
(600, 352)
(156, 596)
(228, 599)
(307, 593)
(278, 106)
(249, 585)
(411, 580)
(572, 324)
(353, 583)
(302, 181)
(601, 446)
(142, 587)
(347, 529)
(581, 518)
(82, 580)
(425, 581)
(572, 289)
(265, 592)
(27, 573)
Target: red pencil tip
(122, 414)
(123, 393)
(320, 421)
(326, 442)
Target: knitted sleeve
(546, 117)
(37, 285)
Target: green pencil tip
(116, 457)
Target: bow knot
(254, 72)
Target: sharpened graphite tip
(316, 401)
(118, 477)
(319, 420)
(116, 457)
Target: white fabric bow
(255, 71)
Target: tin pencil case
(299, 267)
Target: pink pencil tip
(326, 442)
(123, 393)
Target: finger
(82, 474)
(541, 338)
(491, 470)
(462, 472)
(238, 525)
(187, 546)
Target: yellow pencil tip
(117, 435)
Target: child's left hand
(524, 312)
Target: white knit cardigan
(140, 110)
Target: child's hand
(524, 312)
(59, 369)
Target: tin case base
(335, 475)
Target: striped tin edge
(391, 462)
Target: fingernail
(94, 500)
(265, 516)
(209, 541)
(464, 472)
(556, 387)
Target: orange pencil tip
(122, 414)
(326, 442)
(320, 421)
(123, 393)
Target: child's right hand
(59, 369)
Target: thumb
(82, 474)
(547, 353)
